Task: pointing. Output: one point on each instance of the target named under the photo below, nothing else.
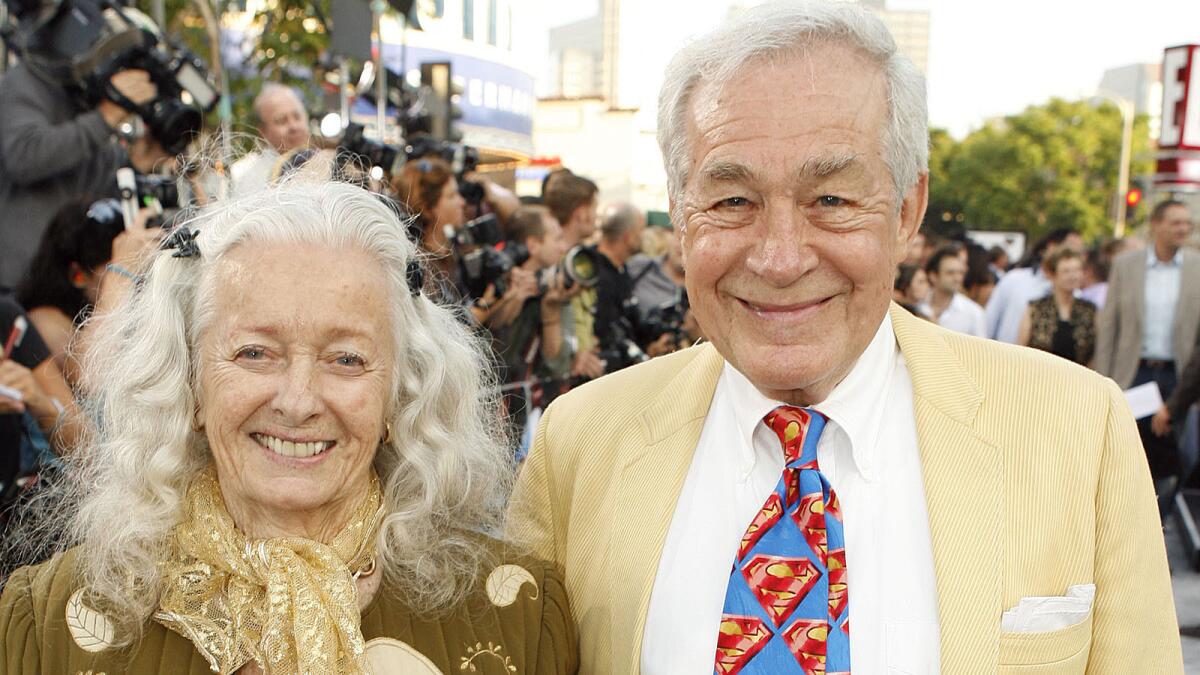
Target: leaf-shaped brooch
(91, 630)
(505, 581)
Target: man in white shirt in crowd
(947, 305)
(828, 460)
(283, 123)
(1020, 286)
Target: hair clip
(184, 240)
(416, 277)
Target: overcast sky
(986, 57)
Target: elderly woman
(295, 470)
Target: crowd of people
(302, 420)
(1126, 308)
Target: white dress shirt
(869, 454)
(1162, 294)
(1010, 298)
(963, 315)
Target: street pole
(1123, 177)
(159, 12)
(377, 8)
(1127, 113)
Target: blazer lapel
(964, 493)
(652, 475)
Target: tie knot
(798, 430)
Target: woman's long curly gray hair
(445, 472)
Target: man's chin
(778, 370)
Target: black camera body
(356, 147)
(164, 189)
(462, 159)
(81, 44)
(666, 319)
(621, 350)
(484, 257)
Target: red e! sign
(1181, 98)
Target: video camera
(82, 43)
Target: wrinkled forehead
(279, 102)
(822, 67)
(287, 280)
(826, 91)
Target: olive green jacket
(515, 621)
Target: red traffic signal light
(1133, 197)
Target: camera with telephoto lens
(82, 44)
(356, 147)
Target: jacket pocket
(1055, 652)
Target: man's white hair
(778, 29)
(445, 473)
(269, 91)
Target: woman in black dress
(1060, 323)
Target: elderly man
(828, 460)
(283, 123)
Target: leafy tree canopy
(1052, 165)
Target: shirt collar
(856, 404)
(1153, 261)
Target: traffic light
(1133, 199)
(445, 111)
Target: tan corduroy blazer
(1119, 324)
(1034, 476)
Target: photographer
(572, 201)
(85, 242)
(665, 322)
(620, 238)
(429, 191)
(36, 406)
(533, 344)
(52, 149)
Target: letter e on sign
(1181, 98)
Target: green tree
(292, 36)
(1052, 165)
(945, 209)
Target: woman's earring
(387, 433)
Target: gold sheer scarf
(288, 603)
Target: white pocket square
(1041, 614)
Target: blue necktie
(786, 606)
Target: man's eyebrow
(727, 172)
(827, 165)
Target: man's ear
(912, 213)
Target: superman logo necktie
(786, 606)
